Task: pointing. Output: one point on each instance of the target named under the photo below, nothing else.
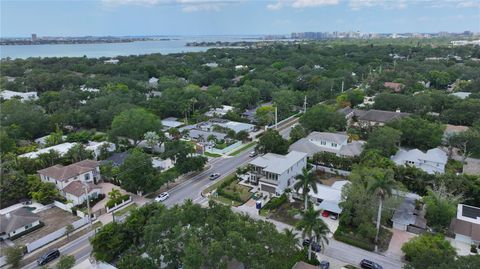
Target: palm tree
(306, 181)
(381, 186)
(313, 228)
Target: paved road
(80, 248)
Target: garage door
(267, 188)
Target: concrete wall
(120, 205)
(54, 236)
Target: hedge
(353, 241)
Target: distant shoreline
(11, 42)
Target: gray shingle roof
(329, 137)
(18, 218)
(381, 115)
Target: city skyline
(227, 17)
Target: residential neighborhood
(324, 150)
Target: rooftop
(60, 172)
(76, 188)
(276, 163)
(16, 219)
(381, 116)
(60, 148)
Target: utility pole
(305, 104)
(276, 118)
(343, 84)
(85, 187)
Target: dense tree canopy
(322, 118)
(194, 237)
(134, 123)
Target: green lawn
(243, 148)
(213, 155)
(214, 186)
(124, 210)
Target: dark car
(306, 242)
(324, 265)
(48, 256)
(316, 247)
(367, 264)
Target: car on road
(162, 197)
(253, 154)
(214, 176)
(48, 256)
(367, 264)
(306, 242)
(324, 264)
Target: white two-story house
(274, 173)
(336, 143)
(73, 179)
(432, 161)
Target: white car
(162, 197)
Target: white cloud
(300, 3)
(389, 4)
(186, 5)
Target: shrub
(275, 202)
(473, 248)
(112, 202)
(345, 238)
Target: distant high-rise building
(34, 37)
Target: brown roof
(382, 116)
(304, 265)
(397, 87)
(60, 172)
(16, 219)
(76, 188)
(467, 228)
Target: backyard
(54, 218)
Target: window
(28, 226)
(87, 176)
(323, 143)
(334, 145)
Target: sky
(21, 18)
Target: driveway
(399, 238)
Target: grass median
(243, 148)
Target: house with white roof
(23, 96)
(219, 111)
(84, 88)
(433, 161)
(97, 147)
(328, 197)
(274, 172)
(336, 143)
(61, 149)
(466, 226)
(171, 122)
(153, 82)
(461, 95)
(111, 61)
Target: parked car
(367, 264)
(162, 197)
(325, 214)
(306, 242)
(334, 216)
(316, 247)
(214, 176)
(48, 256)
(324, 264)
(253, 154)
